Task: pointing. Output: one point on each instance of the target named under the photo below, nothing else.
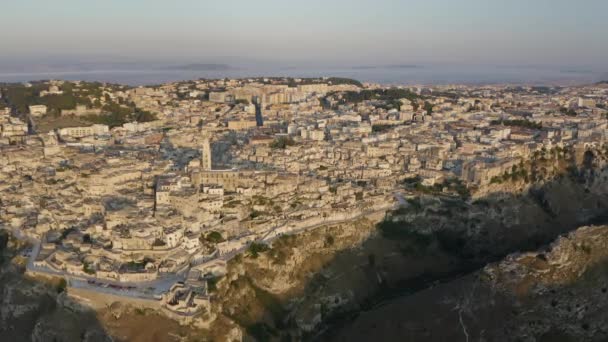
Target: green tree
(282, 142)
(428, 107)
(256, 248)
(215, 237)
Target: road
(142, 290)
(153, 289)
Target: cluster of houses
(231, 162)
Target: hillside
(552, 294)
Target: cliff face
(293, 260)
(35, 311)
(39, 310)
(562, 263)
(318, 281)
(555, 294)
(502, 222)
(265, 292)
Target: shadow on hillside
(470, 308)
(444, 238)
(436, 239)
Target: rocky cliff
(554, 294)
(39, 310)
(551, 294)
(265, 291)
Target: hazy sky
(359, 32)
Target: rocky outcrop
(295, 259)
(269, 289)
(503, 222)
(562, 263)
(35, 311)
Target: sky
(328, 32)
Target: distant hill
(403, 66)
(602, 84)
(395, 66)
(203, 67)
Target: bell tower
(206, 152)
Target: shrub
(256, 248)
(62, 285)
(214, 237)
(282, 142)
(329, 240)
